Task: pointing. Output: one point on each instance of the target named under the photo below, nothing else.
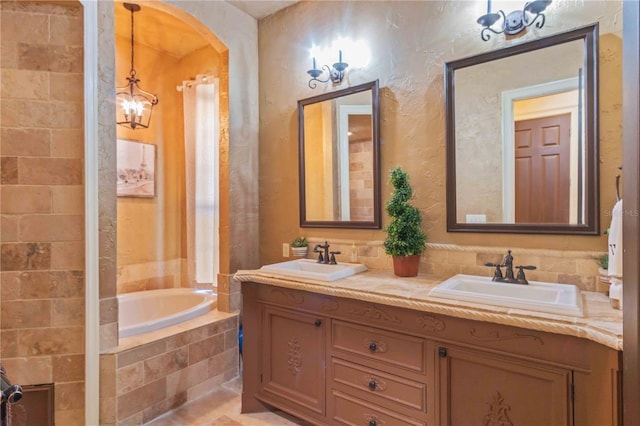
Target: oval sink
(563, 299)
(310, 269)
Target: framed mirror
(339, 158)
(522, 137)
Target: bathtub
(143, 311)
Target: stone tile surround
(42, 287)
(151, 275)
(445, 260)
(153, 373)
(171, 274)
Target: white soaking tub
(143, 311)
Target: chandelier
(134, 105)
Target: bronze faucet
(325, 258)
(508, 277)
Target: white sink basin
(310, 269)
(563, 299)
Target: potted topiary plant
(405, 240)
(299, 246)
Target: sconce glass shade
(134, 105)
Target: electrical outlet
(285, 249)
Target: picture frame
(136, 169)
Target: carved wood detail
(497, 415)
(329, 305)
(431, 323)
(294, 357)
(288, 295)
(373, 312)
(493, 336)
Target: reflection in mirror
(339, 159)
(521, 137)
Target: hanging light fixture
(134, 105)
(513, 22)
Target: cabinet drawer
(407, 393)
(352, 411)
(392, 348)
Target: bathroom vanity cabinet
(338, 360)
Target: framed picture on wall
(136, 167)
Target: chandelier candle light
(131, 99)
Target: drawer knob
(373, 346)
(372, 385)
(372, 423)
(318, 323)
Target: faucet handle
(497, 274)
(527, 267)
(332, 260)
(320, 257)
(521, 279)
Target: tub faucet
(9, 393)
(509, 277)
(322, 258)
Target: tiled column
(41, 200)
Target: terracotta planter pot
(406, 266)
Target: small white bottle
(353, 258)
(615, 293)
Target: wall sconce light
(515, 21)
(131, 100)
(336, 72)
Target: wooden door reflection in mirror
(522, 137)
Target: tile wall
(41, 200)
(445, 260)
(148, 375)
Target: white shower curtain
(201, 138)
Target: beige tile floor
(221, 408)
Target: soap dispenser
(353, 258)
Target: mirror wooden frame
(589, 34)
(376, 223)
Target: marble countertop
(601, 323)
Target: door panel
(293, 359)
(542, 163)
(482, 388)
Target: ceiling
(164, 32)
(262, 8)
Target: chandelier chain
(133, 70)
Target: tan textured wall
(410, 42)
(42, 200)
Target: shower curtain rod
(199, 79)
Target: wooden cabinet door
(293, 358)
(483, 388)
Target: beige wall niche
(152, 246)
